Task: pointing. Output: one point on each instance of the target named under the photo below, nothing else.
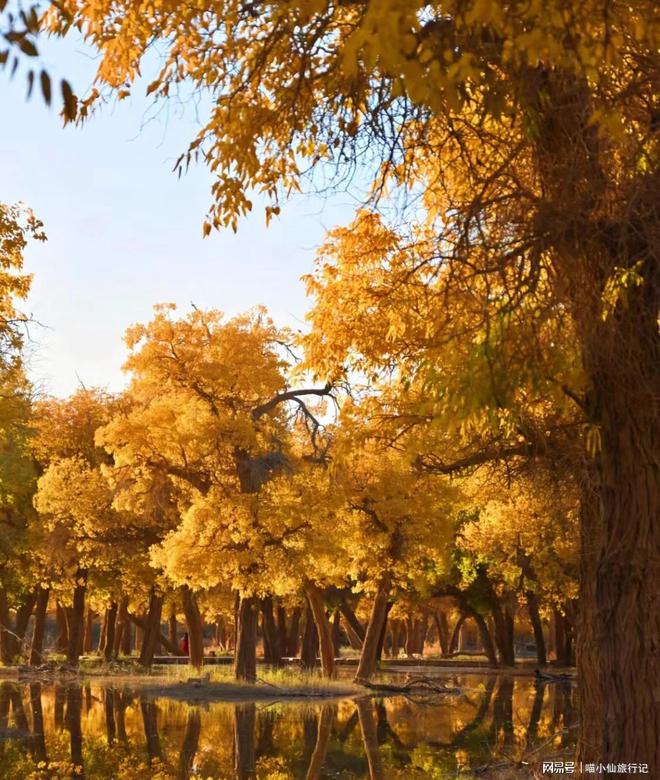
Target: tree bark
(351, 621)
(537, 626)
(324, 730)
(152, 633)
(195, 628)
(76, 619)
(293, 639)
(442, 626)
(245, 654)
(89, 627)
(326, 646)
(122, 630)
(271, 634)
(310, 641)
(486, 639)
(172, 628)
(377, 620)
(453, 642)
(110, 628)
(36, 651)
(62, 630)
(245, 718)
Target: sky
(125, 233)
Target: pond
(110, 729)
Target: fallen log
(413, 684)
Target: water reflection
(105, 731)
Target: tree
(530, 130)
(208, 415)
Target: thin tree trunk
(293, 640)
(41, 607)
(245, 654)
(351, 620)
(442, 626)
(272, 648)
(172, 628)
(123, 630)
(190, 743)
(110, 628)
(537, 626)
(89, 627)
(195, 628)
(282, 629)
(326, 647)
(370, 738)
(320, 752)
(453, 642)
(377, 621)
(62, 635)
(310, 641)
(76, 619)
(486, 639)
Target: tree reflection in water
(109, 732)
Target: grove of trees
(471, 418)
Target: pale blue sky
(125, 233)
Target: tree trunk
(271, 634)
(282, 633)
(122, 630)
(535, 619)
(351, 620)
(310, 641)
(245, 718)
(453, 642)
(326, 647)
(190, 743)
(442, 626)
(486, 639)
(62, 635)
(503, 635)
(321, 745)
(195, 628)
(89, 627)
(293, 639)
(245, 654)
(76, 619)
(150, 639)
(36, 656)
(375, 627)
(172, 628)
(110, 628)
(337, 635)
(5, 628)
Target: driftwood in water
(413, 684)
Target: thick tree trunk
(326, 646)
(535, 619)
(41, 607)
(282, 632)
(110, 628)
(195, 628)
(245, 719)
(76, 619)
(619, 623)
(122, 630)
(375, 627)
(245, 654)
(151, 637)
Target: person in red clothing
(184, 644)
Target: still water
(110, 730)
